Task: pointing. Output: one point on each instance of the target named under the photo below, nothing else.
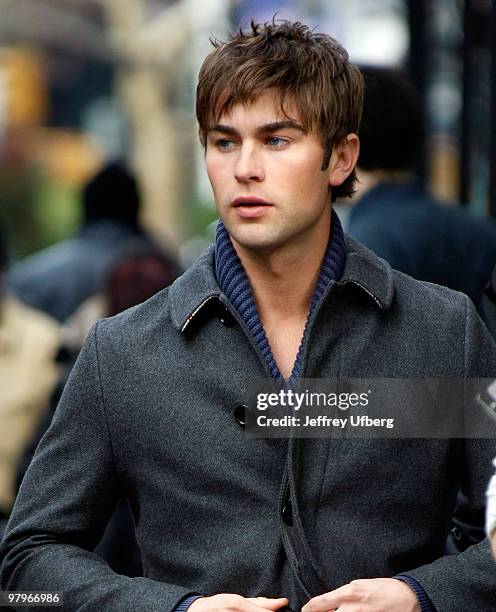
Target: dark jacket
(437, 243)
(151, 411)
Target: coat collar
(197, 291)
(194, 290)
(367, 271)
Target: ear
(343, 159)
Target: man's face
(266, 175)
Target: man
(394, 215)
(60, 278)
(157, 405)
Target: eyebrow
(267, 128)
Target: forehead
(268, 107)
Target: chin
(259, 243)
(251, 237)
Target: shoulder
(427, 298)
(404, 300)
(151, 318)
(162, 317)
(47, 260)
(444, 321)
(421, 327)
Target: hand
(373, 595)
(235, 603)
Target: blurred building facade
(84, 81)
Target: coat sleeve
(65, 501)
(468, 580)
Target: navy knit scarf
(234, 283)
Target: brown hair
(311, 70)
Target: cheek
(216, 172)
(306, 178)
(305, 167)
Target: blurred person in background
(60, 278)
(393, 214)
(138, 277)
(29, 341)
(142, 273)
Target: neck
(286, 276)
(283, 281)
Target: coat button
(225, 317)
(287, 513)
(240, 414)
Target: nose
(249, 167)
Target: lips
(249, 201)
(250, 207)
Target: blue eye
(276, 141)
(224, 144)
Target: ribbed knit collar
(234, 283)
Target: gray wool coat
(150, 413)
